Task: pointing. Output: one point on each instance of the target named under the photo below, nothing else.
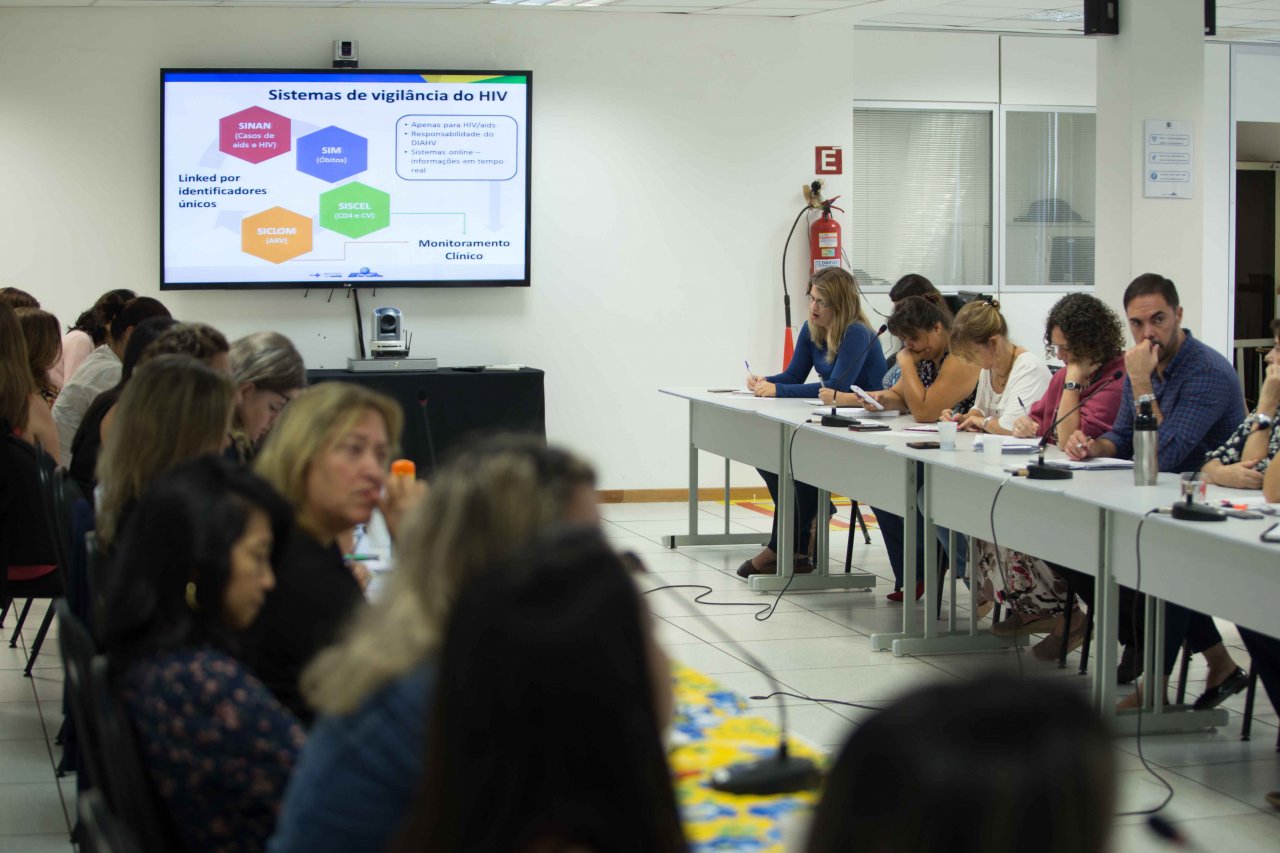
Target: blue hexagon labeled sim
(332, 154)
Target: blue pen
(747, 366)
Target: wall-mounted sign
(1167, 158)
(828, 160)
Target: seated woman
(328, 456)
(88, 332)
(44, 350)
(993, 765)
(912, 284)
(25, 414)
(1243, 460)
(173, 409)
(269, 373)
(838, 342)
(1011, 377)
(86, 447)
(931, 382)
(363, 761)
(192, 567)
(546, 734)
(1088, 337)
(100, 370)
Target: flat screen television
(339, 178)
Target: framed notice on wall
(1168, 158)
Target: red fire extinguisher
(824, 239)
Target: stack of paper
(1011, 444)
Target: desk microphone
(834, 420)
(1170, 833)
(781, 773)
(426, 423)
(1038, 470)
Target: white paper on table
(1011, 444)
(856, 412)
(922, 428)
(1100, 463)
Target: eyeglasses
(821, 303)
(1058, 351)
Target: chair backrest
(78, 652)
(100, 830)
(27, 532)
(134, 799)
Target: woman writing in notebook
(839, 343)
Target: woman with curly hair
(1088, 337)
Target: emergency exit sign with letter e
(828, 160)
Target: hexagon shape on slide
(355, 210)
(254, 135)
(332, 154)
(275, 235)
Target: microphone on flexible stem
(834, 420)
(1038, 470)
(781, 773)
(426, 423)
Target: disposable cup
(947, 435)
(992, 448)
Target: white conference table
(758, 432)
(1088, 523)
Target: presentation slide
(344, 178)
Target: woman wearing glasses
(839, 343)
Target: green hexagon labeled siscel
(355, 209)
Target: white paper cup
(992, 448)
(947, 435)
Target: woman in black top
(328, 455)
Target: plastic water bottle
(1146, 446)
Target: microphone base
(1041, 471)
(838, 421)
(777, 775)
(1196, 512)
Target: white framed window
(922, 197)
(1047, 204)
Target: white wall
(668, 157)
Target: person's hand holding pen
(948, 415)
(827, 395)
(752, 379)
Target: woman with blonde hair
(22, 410)
(363, 759)
(269, 373)
(839, 343)
(1012, 377)
(328, 456)
(174, 408)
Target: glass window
(922, 196)
(1049, 198)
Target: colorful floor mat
(713, 730)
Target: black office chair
(100, 830)
(133, 797)
(78, 651)
(28, 533)
(855, 521)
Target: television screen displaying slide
(341, 178)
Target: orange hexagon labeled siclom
(275, 235)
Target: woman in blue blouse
(191, 573)
(839, 343)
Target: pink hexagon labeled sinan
(254, 135)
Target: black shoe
(1230, 686)
(1130, 665)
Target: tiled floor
(816, 644)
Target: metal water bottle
(1146, 445)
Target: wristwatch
(1072, 385)
(1262, 421)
